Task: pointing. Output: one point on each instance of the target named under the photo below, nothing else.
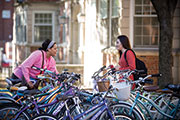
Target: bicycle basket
(122, 90)
(103, 85)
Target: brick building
(6, 25)
(86, 31)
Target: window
(103, 8)
(110, 11)
(146, 26)
(21, 27)
(43, 26)
(116, 12)
(115, 8)
(63, 43)
(64, 35)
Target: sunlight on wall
(92, 55)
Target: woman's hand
(30, 84)
(117, 67)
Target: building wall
(6, 22)
(176, 44)
(29, 46)
(92, 41)
(149, 56)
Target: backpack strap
(126, 53)
(42, 61)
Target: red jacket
(130, 65)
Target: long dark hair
(125, 43)
(45, 44)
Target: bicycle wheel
(125, 109)
(122, 117)
(105, 116)
(9, 111)
(44, 117)
(85, 105)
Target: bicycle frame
(38, 107)
(93, 112)
(173, 111)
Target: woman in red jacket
(122, 44)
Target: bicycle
(139, 101)
(21, 109)
(99, 111)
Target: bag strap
(42, 61)
(126, 53)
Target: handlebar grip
(102, 68)
(110, 87)
(150, 81)
(96, 94)
(113, 70)
(65, 70)
(156, 75)
(140, 71)
(111, 66)
(78, 76)
(33, 67)
(36, 68)
(48, 71)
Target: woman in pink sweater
(42, 58)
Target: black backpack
(140, 65)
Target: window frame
(21, 28)
(110, 16)
(100, 7)
(119, 9)
(63, 44)
(33, 25)
(132, 20)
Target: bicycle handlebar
(156, 75)
(99, 71)
(43, 70)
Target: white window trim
(110, 21)
(20, 14)
(120, 9)
(101, 17)
(131, 28)
(33, 23)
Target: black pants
(23, 83)
(13, 76)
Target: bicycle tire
(4, 99)
(124, 109)
(123, 117)
(105, 116)
(44, 117)
(9, 111)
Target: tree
(165, 12)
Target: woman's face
(53, 50)
(119, 46)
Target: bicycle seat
(11, 81)
(14, 88)
(64, 97)
(173, 87)
(28, 92)
(164, 90)
(151, 88)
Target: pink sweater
(35, 59)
